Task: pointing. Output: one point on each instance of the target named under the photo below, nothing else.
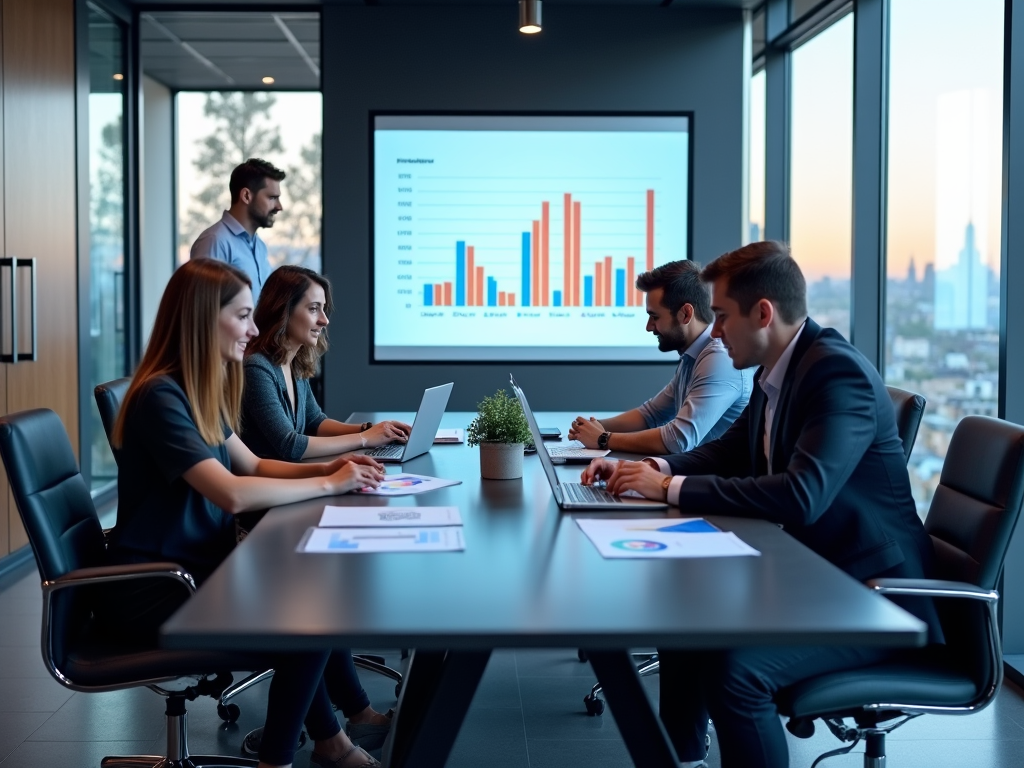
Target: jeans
(736, 689)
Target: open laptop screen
(542, 454)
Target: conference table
(528, 577)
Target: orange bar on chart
(501, 298)
(447, 294)
(479, 286)
(630, 279)
(536, 283)
(608, 281)
(545, 261)
(470, 278)
(567, 258)
(598, 284)
(437, 295)
(650, 229)
(510, 299)
(576, 279)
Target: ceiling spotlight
(529, 16)
(119, 76)
(268, 80)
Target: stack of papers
(450, 436)
(386, 529)
(663, 537)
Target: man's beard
(671, 342)
(265, 221)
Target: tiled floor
(528, 713)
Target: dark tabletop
(528, 577)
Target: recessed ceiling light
(119, 76)
(268, 80)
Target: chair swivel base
(177, 748)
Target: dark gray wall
(473, 58)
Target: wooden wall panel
(39, 200)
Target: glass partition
(943, 236)
(821, 171)
(107, 68)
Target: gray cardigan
(269, 427)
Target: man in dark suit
(816, 451)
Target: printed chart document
(404, 484)
(356, 540)
(388, 517)
(450, 436)
(662, 537)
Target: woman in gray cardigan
(280, 417)
(281, 420)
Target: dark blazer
(839, 481)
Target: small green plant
(499, 419)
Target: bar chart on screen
(523, 242)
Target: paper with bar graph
(356, 540)
(520, 238)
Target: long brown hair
(281, 294)
(185, 342)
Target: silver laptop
(576, 495)
(424, 428)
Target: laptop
(572, 496)
(424, 428)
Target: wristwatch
(602, 441)
(665, 484)
(365, 426)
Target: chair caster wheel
(594, 705)
(228, 712)
(581, 655)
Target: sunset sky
(945, 61)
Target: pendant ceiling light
(529, 16)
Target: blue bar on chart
(460, 273)
(620, 287)
(428, 295)
(588, 291)
(557, 298)
(492, 292)
(526, 270)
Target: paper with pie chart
(662, 538)
(404, 484)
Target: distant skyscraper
(755, 232)
(963, 147)
(961, 291)
(912, 273)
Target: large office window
(757, 149)
(106, 220)
(821, 173)
(943, 238)
(219, 130)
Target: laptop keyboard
(574, 449)
(393, 451)
(587, 494)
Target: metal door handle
(15, 264)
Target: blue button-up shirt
(706, 395)
(228, 241)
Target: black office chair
(64, 531)
(971, 519)
(909, 408)
(109, 397)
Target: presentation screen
(519, 238)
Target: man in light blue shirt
(255, 188)
(706, 394)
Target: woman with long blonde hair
(184, 474)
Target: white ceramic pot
(501, 461)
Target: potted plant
(501, 431)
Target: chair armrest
(111, 573)
(932, 588)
